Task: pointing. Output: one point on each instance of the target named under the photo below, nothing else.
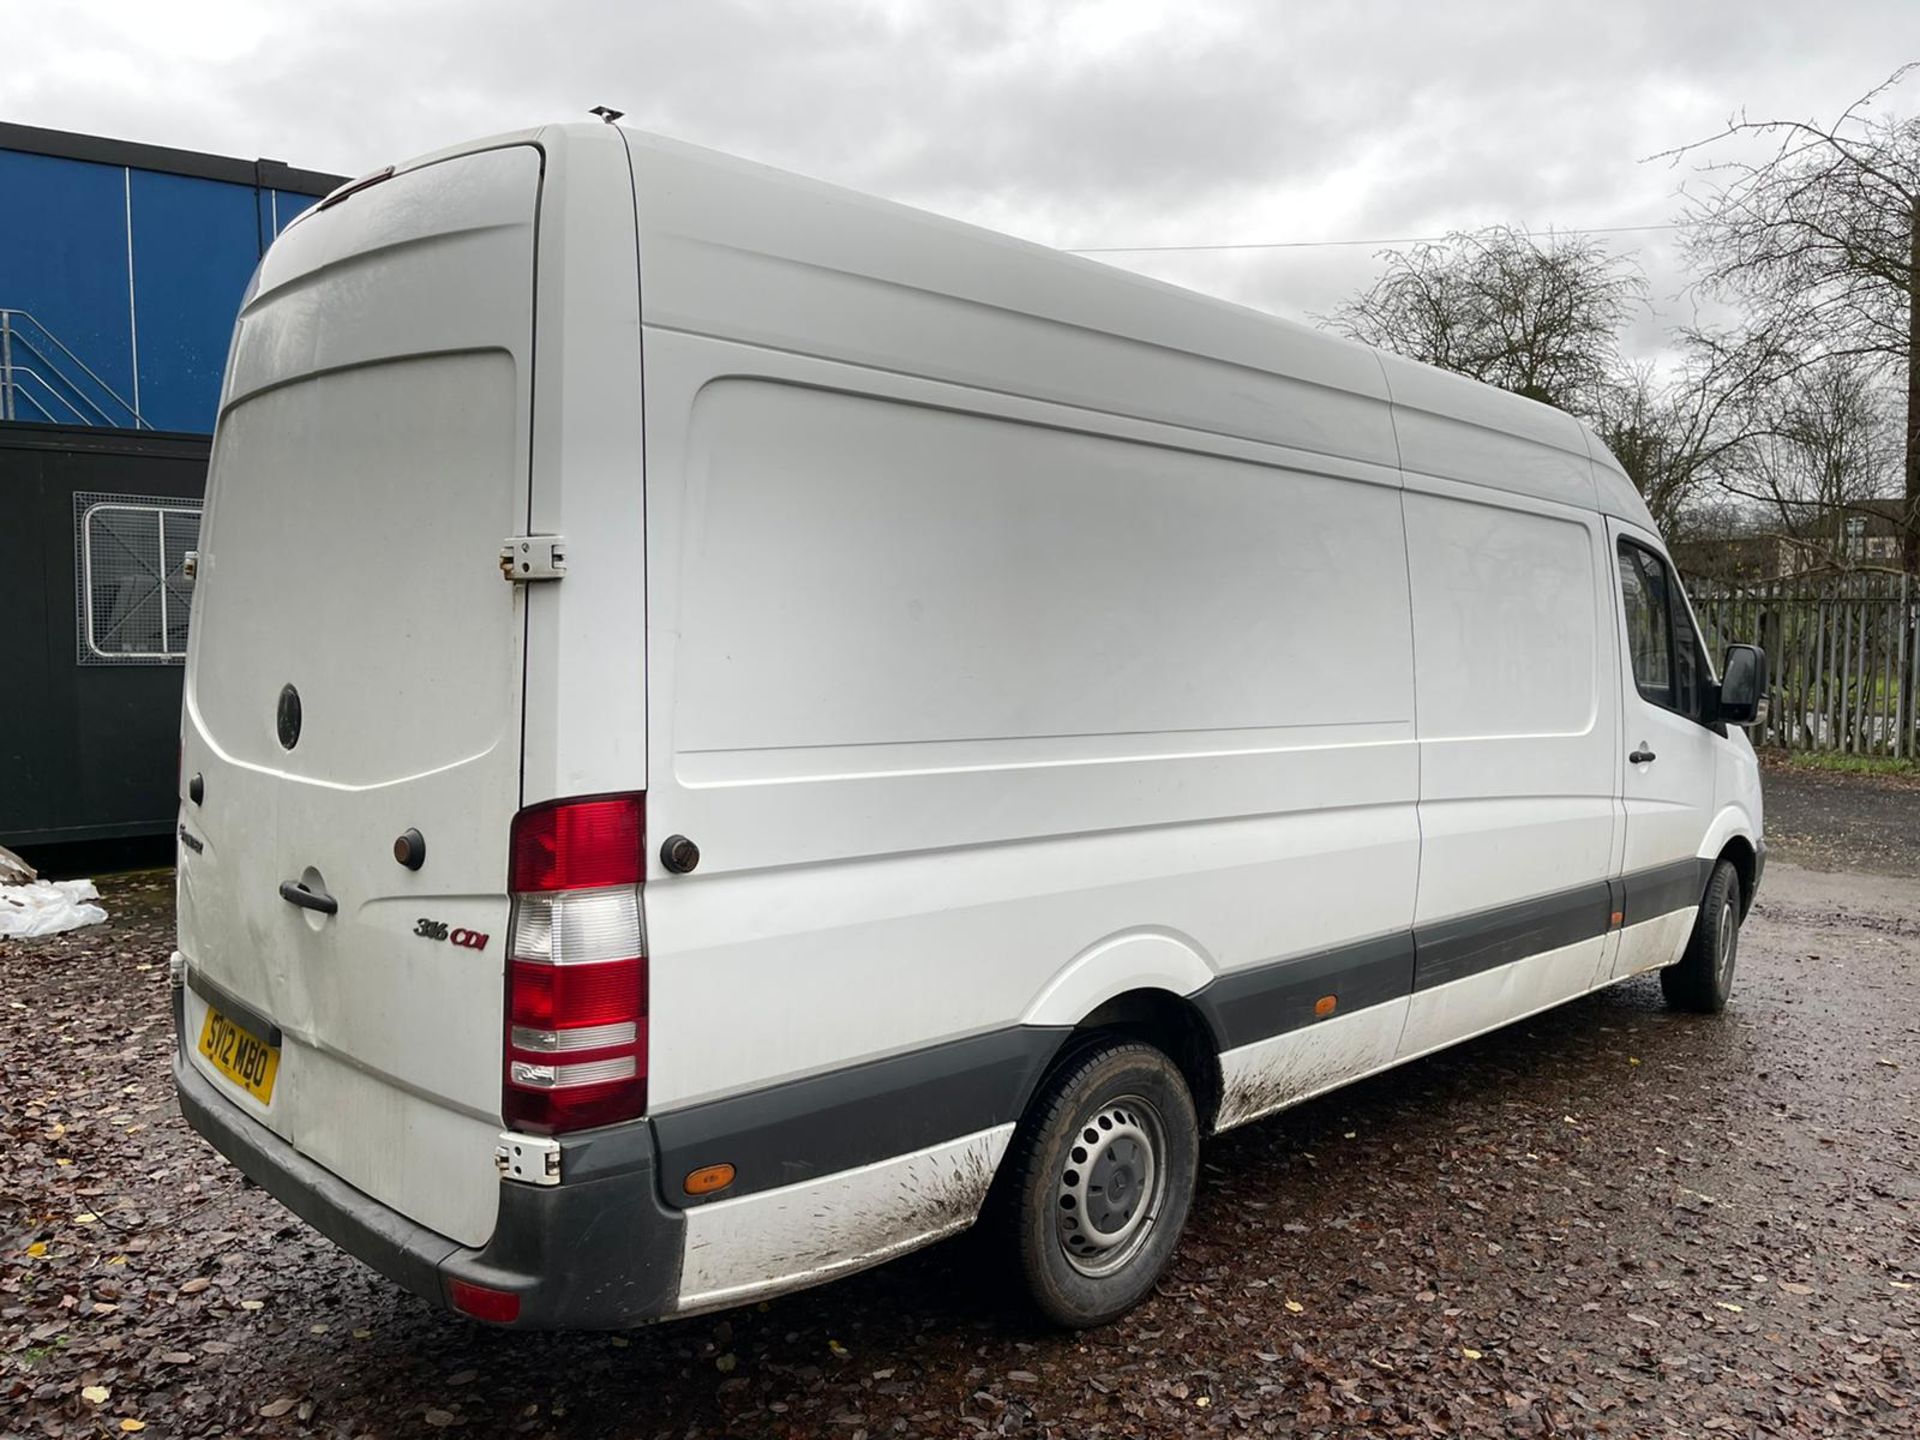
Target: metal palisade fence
(1843, 653)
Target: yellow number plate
(240, 1055)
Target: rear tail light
(576, 1053)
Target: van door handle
(1642, 756)
(294, 893)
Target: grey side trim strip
(1258, 1003)
(787, 1133)
(784, 1134)
(1666, 888)
(1466, 945)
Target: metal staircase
(42, 379)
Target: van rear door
(355, 674)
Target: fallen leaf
(85, 1217)
(1794, 1287)
(253, 1304)
(274, 1409)
(1294, 1307)
(439, 1419)
(195, 1285)
(1729, 1305)
(97, 1394)
(725, 1364)
(38, 1249)
(1470, 1354)
(131, 1426)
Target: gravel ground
(1608, 1220)
(1829, 821)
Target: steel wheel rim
(1111, 1185)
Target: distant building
(1868, 535)
(121, 270)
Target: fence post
(1903, 681)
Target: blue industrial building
(121, 269)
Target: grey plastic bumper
(597, 1252)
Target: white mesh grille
(132, 598)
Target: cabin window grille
(132, 597)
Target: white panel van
(733, 729)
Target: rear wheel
(1703, 979)
(1101, 1173)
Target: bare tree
(1820, 241)
(1537, 315)
(1677, 438)
(1823, 447)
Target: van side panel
(1518, 725)
(1005, 691)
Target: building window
(132, 595)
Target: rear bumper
(596, 1252)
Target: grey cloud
(1123, 123)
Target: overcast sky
(1096, 124)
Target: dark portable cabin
(121, 268)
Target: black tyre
(1703, 979)
(1098, 1181)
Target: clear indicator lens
(560, 1077)
(578, 927)
(584, 1037)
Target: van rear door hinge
(526, 558)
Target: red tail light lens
(576, 1042)
(579, 844)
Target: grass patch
(1851, 764)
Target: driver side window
(1643, 587)
(1669, 666)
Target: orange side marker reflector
(708, 1179)
(1617, 919)
(1324, 1006)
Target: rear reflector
(576, 1041)
(502, 1307)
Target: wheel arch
(1739, 850)
(1169, 1022)
(1732, 837)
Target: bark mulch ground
(1608, 1220)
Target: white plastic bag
(46, 907)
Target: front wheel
(1703, 979)
(1101, 1175)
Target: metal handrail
(51, 389)
(8, 321)
(20, 340)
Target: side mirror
(1743, 686)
